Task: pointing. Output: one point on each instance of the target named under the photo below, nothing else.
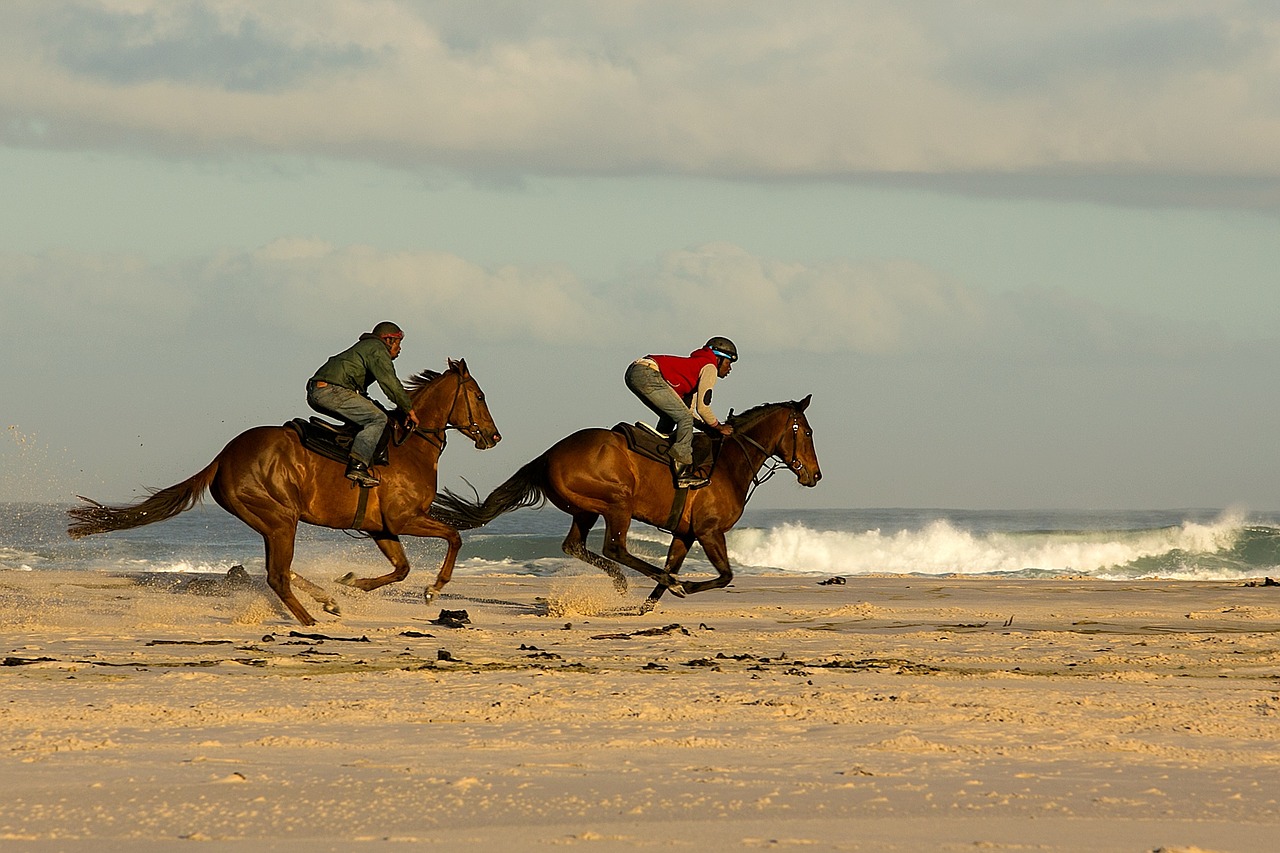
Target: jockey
(340, 389)
(678, 389)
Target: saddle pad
(642, 439)
(331, 441)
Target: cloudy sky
(1023, 254)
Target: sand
(885, 713)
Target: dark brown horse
(592, 473)
(268, 480)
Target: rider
(677, 388)
(340, 388)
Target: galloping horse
(592, 473)
(268, 480)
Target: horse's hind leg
(279, 545)
(575, 545)
(389, 545)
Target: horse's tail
(162, 505)
(526, 487)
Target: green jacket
(358, 367)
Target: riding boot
(359, 473)
(689, 477)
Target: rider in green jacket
(340, 388)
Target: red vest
(681, 372)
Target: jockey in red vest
(678, 388)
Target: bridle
(435, 436)
(771, 467)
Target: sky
(1022, 254)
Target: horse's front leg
(429, 528)
(389, 544)
(675, 559)
(718, 553)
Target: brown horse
(592, 473)
(268, 480)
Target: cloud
(756, 90)
(443, 292)
(872, 307)
(51, 294)
(298, 289)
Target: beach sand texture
(885, 713)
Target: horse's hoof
(429, 594)
(347, 579)
(676, 588)
(332, 607)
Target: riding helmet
(722, 347)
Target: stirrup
(689, 477)
(359, 473)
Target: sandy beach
(883, 713)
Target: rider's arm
(702, 396)
(383, 371)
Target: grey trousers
(346, 405)
(656, 393)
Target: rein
(435, 436)
(773, 466)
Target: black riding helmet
(723, 348)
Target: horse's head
(470, 413)
(783, 431)
(453, 399)
(802, 457)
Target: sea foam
(940, 547)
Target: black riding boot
(359, 472)
(690, 477)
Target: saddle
(651, 444)
(333, 441)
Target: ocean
(1200, 544)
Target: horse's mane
(742, 420)
(419, 382)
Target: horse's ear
(804, 404)
(459, 365)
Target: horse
(266, 478)
(592, 473)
